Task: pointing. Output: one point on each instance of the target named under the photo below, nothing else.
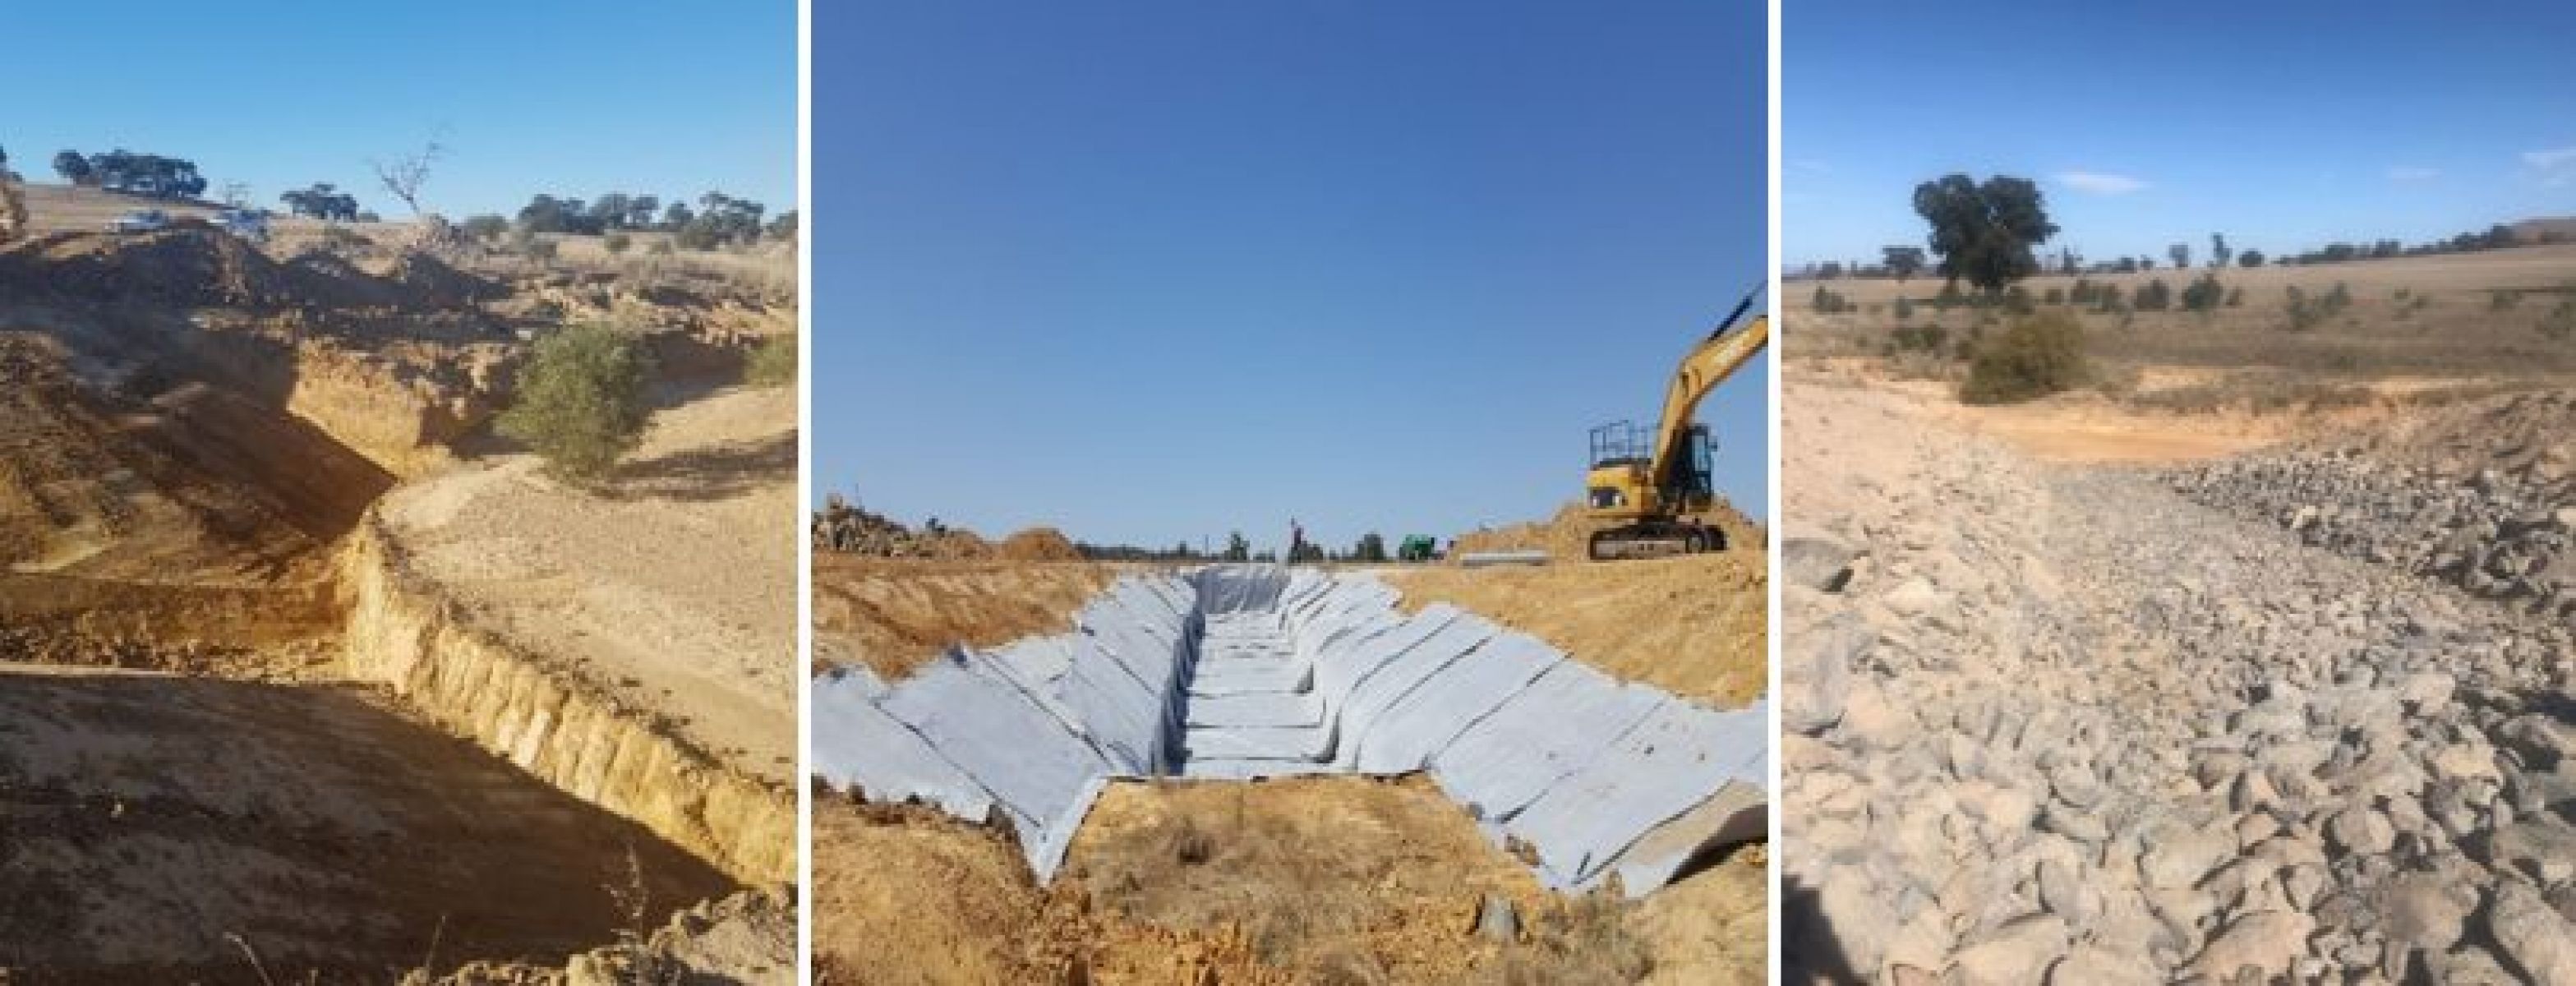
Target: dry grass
(1697, 626)
(2408, 319)
(896, 615)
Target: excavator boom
(1709, 364)
(1650, 492)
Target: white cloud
(2099, 183)
(2550, 160)
(2409, 173)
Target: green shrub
(2154, 297)
(2204, 294)
(1926, 339)
(580, 400)
(2033, 357)
(661, 248)
(772, 363)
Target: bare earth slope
(1696, 626)
(675, 586)
(895, 615)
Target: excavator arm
(1709, 364)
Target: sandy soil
(1696, 626)
(1339, 879)
(895, 616)
(150, 816)
(675, 585)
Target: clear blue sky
(2284, 125)
(573, 97)
(1198, 267)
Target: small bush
(772, 363)
(1926, 339)
(2017, 300)
(2033, 357)
(580, 401)
(2236, 297)
(1949, 297)
(2107, 300)
(1903, 309)
(2053, 296)
(2154, 297)
(2204, 294)
(1829, 302)
(537, 249)
(2560, 324)
(661, 248)
(616, 242)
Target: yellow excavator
(1653, 481)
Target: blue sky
(1202, 267)
(574, 97)
(2284, 125)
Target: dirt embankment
(1567, 537)
(350, 764)
(1696, 626)
(895, 616)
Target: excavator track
(1655, 540)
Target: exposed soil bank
(554, 724)
(152, 819)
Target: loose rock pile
(2061, 725)
(2480, 497)
(845, 527)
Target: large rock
(2425, 911)
(2269, 941)
(2543, 850)
(1818, 673)
(2182, 857)
(2018, 952)
(2532, 935)
(1817, 561)
(2362, 831)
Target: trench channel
(316, 765)
(1239, 673)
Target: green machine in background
(1418, 547)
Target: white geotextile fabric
(1243, 672)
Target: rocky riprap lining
(2496, 535)
(2061, 725)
